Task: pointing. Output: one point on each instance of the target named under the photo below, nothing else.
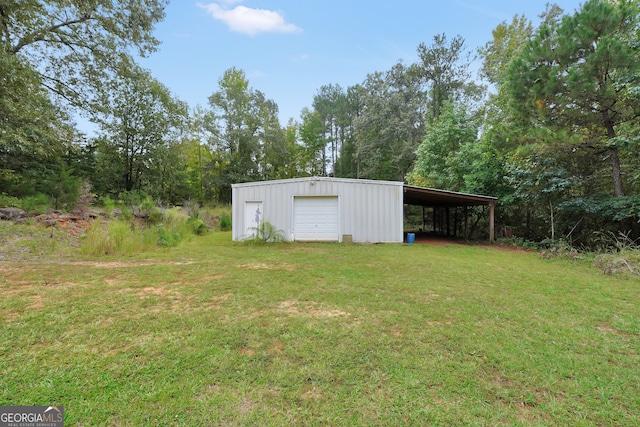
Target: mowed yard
(221, 333)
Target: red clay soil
(430, 239)
(434, 240)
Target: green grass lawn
(222, 333)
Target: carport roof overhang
(431, 197)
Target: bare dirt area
(120, 264)
(76, 223)
(30, 238)
(435, 240)
(264, 266)
(309, 309)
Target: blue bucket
(411, 238)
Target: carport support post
(434, 219)
(446, 212)
(491, 221)
(466, 217)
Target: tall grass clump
(36, 204)
(108, 204)
(117, 237)
(619, 253)
(266, 233)
(167, 237)
(157, 227)
(225, 223)
(215, 217)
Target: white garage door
(315, 218)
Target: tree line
(551, 126)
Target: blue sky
(289, 48)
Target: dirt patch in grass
(5, 269)
(37, 303)
(264, 266)
(176, 300)
(11, 316)
(312, 394)
(309, 309)
(395, 331)
(119, 264)
(437, 323)
(203, 279)
(113, 282)
(148, 291)
(112, 349)
(216, 303)
(610, 330)
(257, 266)
(246, 405)
(305, 309)
(276, 348)
(15, 288)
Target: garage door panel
(316, 218)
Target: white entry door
(252, 218)
(316, 219)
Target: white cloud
(482, 10)
(301, 58)
(256, 74)
(249, 21)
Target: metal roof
(431, 197)
(316, 178)
(420, 196)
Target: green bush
(63, 188)
(108, 204)
(155, 216)
(225, 223)
(127, 213)
(167, 237)
(131, 198)
(36, 205)
(9, 201)
(198, 226)
(267, 233)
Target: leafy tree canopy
(71, 43)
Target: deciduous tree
(243, 124)
(144, 121)
(71, 43)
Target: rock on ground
(10, 214)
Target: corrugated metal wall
(370, 211)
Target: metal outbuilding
(336, 209)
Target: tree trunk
(553, 226)
(615, 170)
(613, 156)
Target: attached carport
(445, 200)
